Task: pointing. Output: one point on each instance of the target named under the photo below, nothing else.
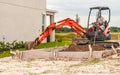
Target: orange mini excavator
(96, 34)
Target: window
(43, 21)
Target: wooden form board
(40, 53)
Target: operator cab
(94, 28)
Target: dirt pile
(74, 47)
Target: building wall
(21, 19)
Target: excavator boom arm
(66, 22)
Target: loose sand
(9, 66)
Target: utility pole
(77, 20)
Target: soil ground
(74, 47)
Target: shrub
(14, 45)
(4, 46)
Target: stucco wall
(21, 19)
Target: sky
(69, 8)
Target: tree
(115, 29)
(63, 30)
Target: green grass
(115, 33)
(53, 44)
(5, 54)
(115, 36)
(65, 36)
(66, 39)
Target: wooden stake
(113, 48)
(95, 38)
(90, 50)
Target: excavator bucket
(30, 45)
